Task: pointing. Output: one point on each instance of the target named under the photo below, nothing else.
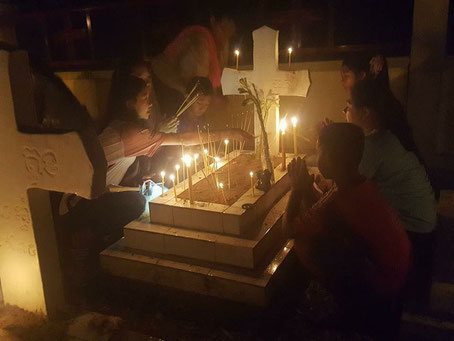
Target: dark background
(57, 31)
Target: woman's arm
(193, 138)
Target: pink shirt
(122, 142)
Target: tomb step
(232, 283)
(213, 247)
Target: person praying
(126, 137)
(350, 240)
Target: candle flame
(177, 167)
(294, 120)
(187, 160)
(163, 174)
(172, 177)
(283, 125)
(221, 185)
(205, 151)
(237, 52)
(226, 141)
(196, 156)
(251, 174)
(217, 159)
(290, 50)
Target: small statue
(263, 180)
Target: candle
(183, 173)
(283, 127)
(172, 177)
(188, 162)
(237, 54)
(221, 186)
(177, 168)
(252, 183)
(290, 50)
(216, 160)
(163, 174)
(226, 142)
(196, 157)
(295, 147)
(228, 170)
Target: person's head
(369, 105)
(134, 103)
(205, 91)
(357, 67)
(340, 148)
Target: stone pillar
(427, 61)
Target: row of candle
(187, 160)
(283, 128)
(289, 51)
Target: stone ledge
(227, 282)
(243, 252)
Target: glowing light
(226, 141)
(172, 177)
(205, 151)
(187, 160)
(294, 121)
(221, 185)
(251, 174)
(163, 174)
(217, 159)
(290, 50)
(177, 167)
(237, 52)
(196, 156)
(283, 125)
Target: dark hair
(131, 88)
(372, 94)
(375, 66)
(204, 86)
(344, 142)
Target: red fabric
(173, 50)
(367, 215)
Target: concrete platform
(218, 218)
(244, 252)
(247, 286)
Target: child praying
(350, 240)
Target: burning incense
(177, 169)
(172, 177)
(188, 162)
(221, 186)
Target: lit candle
(226, 142)
(163, 175)
(188, 162)
(228, 170)
(252, 183)
(172, 177)
(295, 147)
(183, 173)
(237, 54)
(290, 50)
(221, 186)
(196, 157)
(177, 169)
(283, 127)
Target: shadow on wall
(326, 97)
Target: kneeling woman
(125, 138)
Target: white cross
(267, 76)
(30, 166)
